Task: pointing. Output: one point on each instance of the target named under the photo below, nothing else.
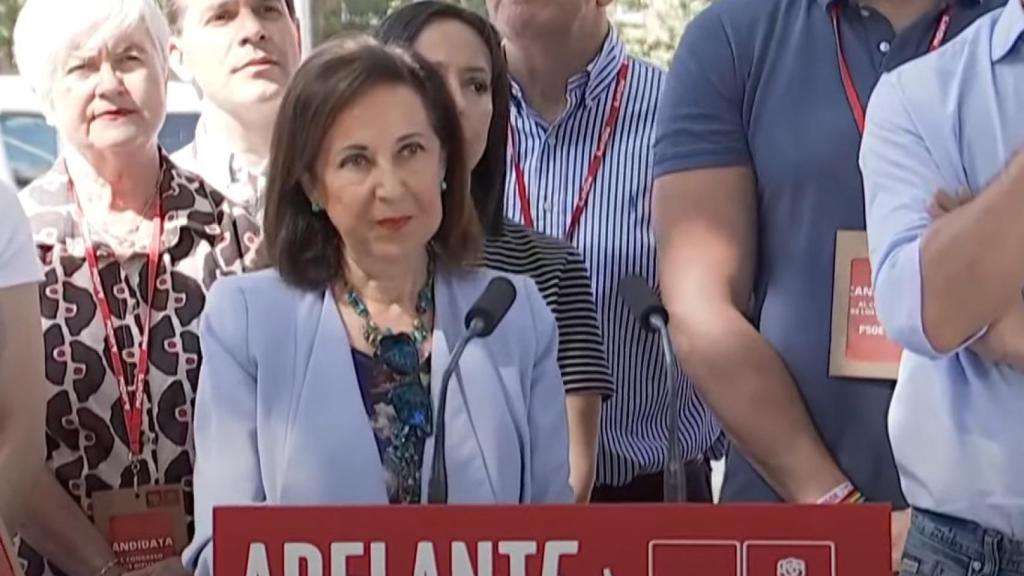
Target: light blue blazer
(280, 419)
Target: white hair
(47, 30)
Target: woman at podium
(322, 375)
(466, 49)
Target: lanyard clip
(136, 467)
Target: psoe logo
(791, 567)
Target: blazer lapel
(331, 452)
(473, 476)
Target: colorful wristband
(841, 494)
(855, 497)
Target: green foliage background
(650, 27)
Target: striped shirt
(616, 240)
(561, 276)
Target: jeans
(940, 545)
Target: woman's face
(110, 96)
(379, 173)
(461, 56)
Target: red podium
(595, 540)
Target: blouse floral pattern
(401, 427)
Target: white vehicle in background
(29, 145)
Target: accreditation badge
(143, 527)
(859, 347)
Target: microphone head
(490, 308)
(642, 301)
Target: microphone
(648, 310)
(483, 317)
(643, 303)
(490, 308)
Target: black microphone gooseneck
(645, 305)
(483, 317)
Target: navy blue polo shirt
(757, 82)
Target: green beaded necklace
(372, 333)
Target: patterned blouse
(401, 429)
(87, 447)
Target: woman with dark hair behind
(466, 49)
(320, 374)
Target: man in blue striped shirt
(580, 168)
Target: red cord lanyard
(595, 162)
(856, 106)
(132, 408)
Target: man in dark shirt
(756, 168)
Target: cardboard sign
(9, 563)
(595, 540)
(859, 347)
(145, 528)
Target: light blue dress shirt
(948, 121)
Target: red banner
(596, 540)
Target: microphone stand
(674, 476)
(437, 490)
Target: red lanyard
(132, 409)
(856, 106)
(595, 162)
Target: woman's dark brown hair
(403, 26)
(303, 245)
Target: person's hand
(944, 202)
(169, 567)
(899, 523)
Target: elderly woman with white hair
(129, 245)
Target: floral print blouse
(401, 427)
(205, 238)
